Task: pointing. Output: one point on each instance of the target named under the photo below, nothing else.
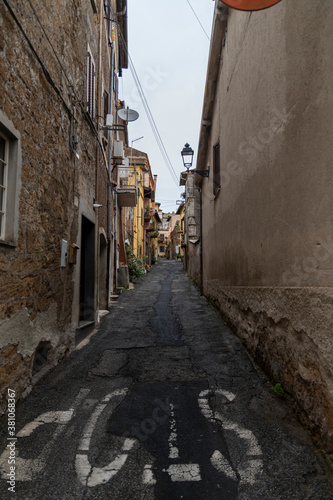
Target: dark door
(87, 271)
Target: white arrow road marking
(93, 476)
(184, 472)
(28, 468)
(247, 466)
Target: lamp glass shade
(187, 155)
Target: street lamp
(187, 155)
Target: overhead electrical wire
(203, 29)
(150, 116)
(154, 126)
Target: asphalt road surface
(162, 402)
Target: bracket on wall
(203, 173)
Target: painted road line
(227, 394)
(250, 464)
(50, 417)
(28, 469)
(148, 475)
(247, 467)
(93, 476)
(221, 464)
(89, 429)
(184, 472)
(173, 449)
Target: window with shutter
(216, 169)
(10, 184)
(106, 109)
(108, 16)
(91, 77)
(3, 183)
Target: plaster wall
(267, 234)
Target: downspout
(109, 176)
(115, 238)
(201, 254)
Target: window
(216, 169)
(106, 109)
(10, 179)
(3, 184)
(108, 16)
(91, 84)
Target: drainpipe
(115, 238)
(109, 176)
(201, 256)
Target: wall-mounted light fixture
(187, 155)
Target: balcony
(126, 190)
(126, 195)
(149, 227)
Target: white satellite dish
(128, 115)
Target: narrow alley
(162, 402)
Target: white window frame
(91, 84)
(13, 159)
(4, 188)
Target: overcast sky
(169, 50)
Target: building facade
(266, 138)
(58, 81)
(141, 218)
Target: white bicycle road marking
(148, 475)
(222, 465)
(28, 469)
(93, 476)
(183, 472)
(50, 417)
(247, 467)
(174, 452)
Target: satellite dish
(128, 115)
(250, 4)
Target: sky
(168, 48)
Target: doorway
(87, 272)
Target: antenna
(128, 115)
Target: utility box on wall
(72, 253)
(118, 152)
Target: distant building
(142, 218)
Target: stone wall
(43, 68)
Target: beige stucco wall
(267, 236)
